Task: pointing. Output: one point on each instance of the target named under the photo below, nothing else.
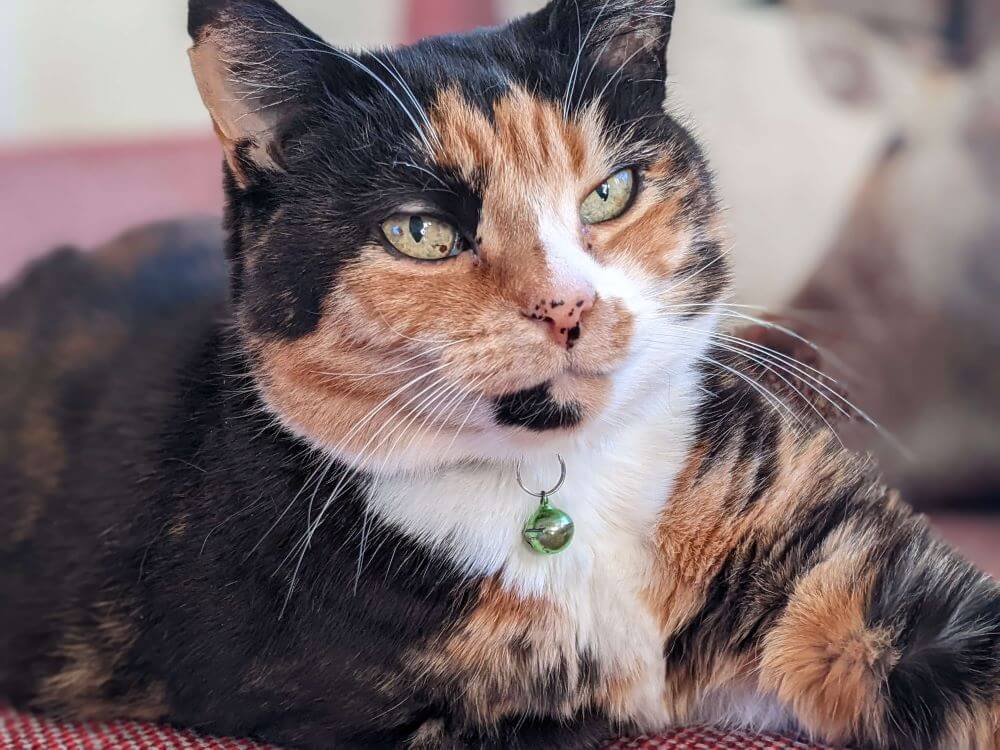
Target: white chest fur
(614, 492)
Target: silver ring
(554, 490)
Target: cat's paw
(826, 662)
(893, 648)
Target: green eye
(422, 237)
(610, 199)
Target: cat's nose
(563, 313)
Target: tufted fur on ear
(257, 69)
(626, 37)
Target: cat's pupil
(604, 191)
(418, 228)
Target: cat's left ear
(257, 69)
(627, 38)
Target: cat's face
(465, 248)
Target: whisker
(397, 368)
(391, 68)
(285, 511)
(400, 163)
(813, 376)
(571, 84)
(431, 402)
(773, 367)
(359, 426)
(403, 335)
(352, 471)
(256, 503)
(768, 396)
(674, 284)
(466, 420)
(465, 392)
(829, 393)
(762, 363)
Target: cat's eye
(422, 237)
(610, 199)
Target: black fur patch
(947, 618)
(535, 409)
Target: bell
(549, 530)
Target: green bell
(549, 530)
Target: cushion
(28, 732)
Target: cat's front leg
(892, 641)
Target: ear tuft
(256, 68)
(642, 36)
(627, 37)
(203, 13)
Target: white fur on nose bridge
(570, 265)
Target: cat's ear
(256, 68)
(626, 37)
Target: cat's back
(72, 325)
(86, 339)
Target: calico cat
(292, 511)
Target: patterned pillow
(27, 732)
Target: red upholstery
(712, 739)
(25, 732)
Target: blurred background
(857, 146)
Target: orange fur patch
(509, 651)
(699, 531)
(81, 688)
(978, 729)
(505, 644)
(822, 658)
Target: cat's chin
(565, 402)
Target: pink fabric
(86, 195)
(432, 17)
(712, 739)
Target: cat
(292, 511)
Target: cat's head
(464, 248)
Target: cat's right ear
(256, 68)
(626, 37)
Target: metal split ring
(554, 490)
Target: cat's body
(268, 517)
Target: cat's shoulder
(145, 272)
(81, 329)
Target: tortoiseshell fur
(204, 521)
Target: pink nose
(563, 312)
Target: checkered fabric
(713, 739)
(26, 732)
